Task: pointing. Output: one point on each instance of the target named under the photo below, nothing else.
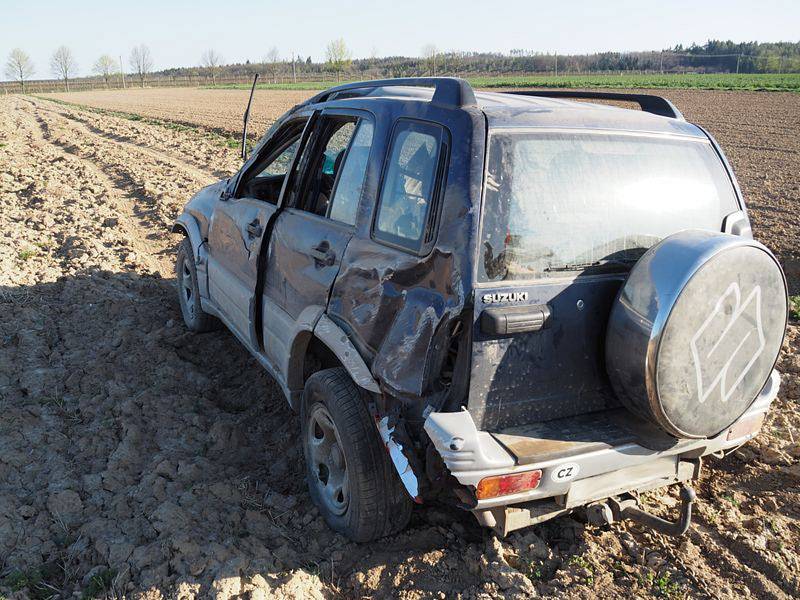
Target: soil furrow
(122, 140)
(126, 225)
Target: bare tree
(141, 61)
(105, 67)
(273, 59)
(19, 67)
(63, 64)
(338, 56)
(429, 53)
(373, 57)
(211, 60)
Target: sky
(178, 32)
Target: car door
(312, 231)
(239, 223)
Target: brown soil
(220, 110)
(139, 460)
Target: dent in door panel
(399, 307)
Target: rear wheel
(349, 475)
(188, 293)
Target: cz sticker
(566, 472)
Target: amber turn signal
(505, 485)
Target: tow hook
(626, 507)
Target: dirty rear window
(586, 203)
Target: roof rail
(450, 91)
(648, 103)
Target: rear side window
(411, 185)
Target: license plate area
(659, 472)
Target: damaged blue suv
(514, 302)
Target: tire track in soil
(161, 159)
(139, 205)
(160, 184)
(120, 141)
(209, 159)
(129, 225)
(751, 569)
(131, 219)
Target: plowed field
(139, 460)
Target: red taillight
(505, 485)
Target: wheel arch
(187, 226)
(335, 339)
(316, 331)
(326, 335)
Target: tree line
(715, 56)
(20, 68)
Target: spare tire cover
(695, 331)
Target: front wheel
(188, 293)
(349, 475)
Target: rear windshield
(587, 203)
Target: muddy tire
(349, 475)
(188, 293)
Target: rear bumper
(596, 471)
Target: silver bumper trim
(471, 454)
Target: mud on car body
(513, 302)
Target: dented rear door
(548, 361)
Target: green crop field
(788, 82)
(717, 81)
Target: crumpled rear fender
(314, 323)
(335, 339)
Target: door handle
(323, 254)
(515, 319)
(254, 229)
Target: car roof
(508, 110)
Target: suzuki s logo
(504, 297)
(728, 343)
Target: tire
(695, 331)
(188, 293)
(347, 454)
